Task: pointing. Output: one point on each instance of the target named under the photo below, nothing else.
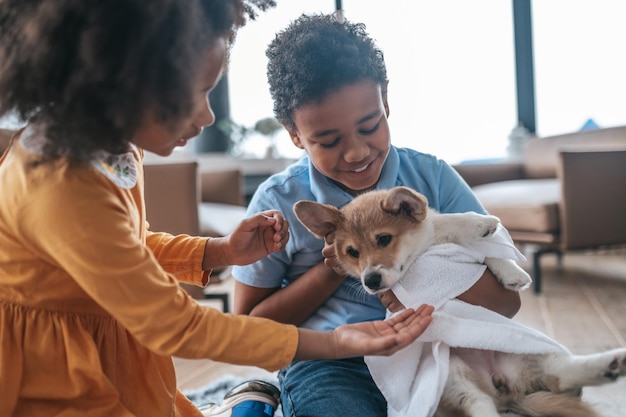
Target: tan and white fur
(380, 233)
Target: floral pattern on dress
(121, 169)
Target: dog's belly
(493, 368)
(483, 361)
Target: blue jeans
(342, 388)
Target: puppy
(380, 233)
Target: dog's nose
(373, 280)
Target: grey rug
(214, 392)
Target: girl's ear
(295, 138)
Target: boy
(329, 85)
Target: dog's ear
(319, 219)
(407, 201)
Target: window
(579, 64)
(450, 65)
(452, 71)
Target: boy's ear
(295, 138)
(319, 219)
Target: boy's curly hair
(317, 55)
(90, 70)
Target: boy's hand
(330, 256)
(390, 301)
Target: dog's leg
(545, 403)
(467, 227)
(464, 394)
(585, 370)
(462, 227)
(510, 274)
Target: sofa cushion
(524, 205)
(541, 155)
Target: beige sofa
(180, 199)
(567, 193)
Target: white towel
(412, 380)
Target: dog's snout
(373, 281)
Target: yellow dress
(90, 308)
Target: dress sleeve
(88, 228)
(180, 255)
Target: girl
(90, 306)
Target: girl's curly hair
(90, 70)
(317, 55)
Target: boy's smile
(346, 135)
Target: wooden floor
(582, 305)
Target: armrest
(593, 197)
(172, 195)
(477, 174)
(222, 186)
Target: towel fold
(412, 380)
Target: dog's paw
(575, 371)
(518, 281)
(483, 225)
(509, 274)
(517, 286)
(616, 364)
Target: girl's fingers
(409, 318)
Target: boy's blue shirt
(438, 181)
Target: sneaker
(250, 399)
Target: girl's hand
(390, 301)
(380, 338)
(383, 337)
(258, 236)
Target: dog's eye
(353, 252)
(383, 240)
